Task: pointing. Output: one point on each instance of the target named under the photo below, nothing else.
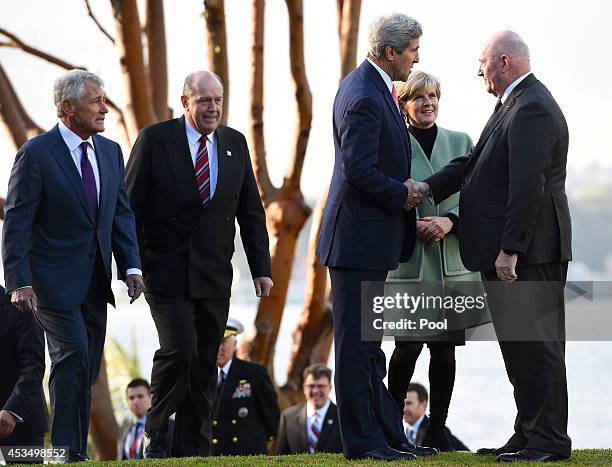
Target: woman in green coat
(436, 258)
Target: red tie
(394, 94)
(202, 171)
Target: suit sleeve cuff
(133, 271)
(17, 417)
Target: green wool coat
(433, 264)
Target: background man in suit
(366, 230)
(313, 425)
(23, 409)
(246, 408)
(189, 180)
(66, 211)
(415, 420)
(138, 398)
(515, 226)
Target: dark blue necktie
(89, 181)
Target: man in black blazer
(368, 227)
(189, 180)
(312, 426)
(246, 410)
(516, 229)
(23, 410)
(66, 216)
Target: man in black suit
(516, 229)
(66, 216)
(23, 410)
(313, 425)
(246, 410)
(189, 180)
(368, 227)
(415, 420)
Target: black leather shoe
(74, 456)
(386, 453)
(416, 450)
(505, 449)
(154, 449)
(437, 438)
(529, 455)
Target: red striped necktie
(313, 433)
(202, 171)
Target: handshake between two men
(416, 192)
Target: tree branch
(95, 20)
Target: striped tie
(202, 171)
(313, 434)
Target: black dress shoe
(154, 449)
(74, 456)
(530, 455)
(437, 438)
(386, 453)
(416, 450)
(505, 449)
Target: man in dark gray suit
(66, 212)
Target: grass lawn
(597, 457)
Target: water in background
(482, 410)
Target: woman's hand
(433, 228)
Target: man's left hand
(505, 266)
(135, 286)
(7, 423)
(263, 286)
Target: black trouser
(75, 339)
(184, 371)
(367, 414)
(535, 367)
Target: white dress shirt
(225, 369)
(310, 410)
(514, 84)
(193, 140)
(413, 430)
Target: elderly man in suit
(368, 226)
(313, 425)
(23, 409)
(189, 180)
(246, 410)
(66, 212)
(515, 228)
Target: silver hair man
(394, 30)
(191, 78)
(71, 87)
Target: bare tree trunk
(286, 210)
(103, 426)
(214, 12)
(312, 337)
(135, 76)
(158, 66)
(9, 113)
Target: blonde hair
(417, 81)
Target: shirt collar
(310, 409)
(416, 425)
(384, 75)
(71, 139)
(193, 135)
(226, 367)
(514, 84)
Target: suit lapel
(328, 424)
(181, 162)
(64, 159)
(222, 155)
(301, 425)
(103, 159)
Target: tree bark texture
(103, 426)
(157, 58)
(214, 13)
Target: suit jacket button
(215, 422)
(215, 441)
(234, 421)
(227, 219)
(234, 440)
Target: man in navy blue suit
(369, 225)
(66, 212)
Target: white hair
(71, 87)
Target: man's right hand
(25, 299)
(416, 192)
(7, 424)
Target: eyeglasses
(316, 386)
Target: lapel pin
(229, 153)
(330, 422)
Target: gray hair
(510, 43)
(416, 82)
(191, 78)
(71, 87)
(394, 30)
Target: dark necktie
(89, 181)
(497, 106)
(137, 435)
